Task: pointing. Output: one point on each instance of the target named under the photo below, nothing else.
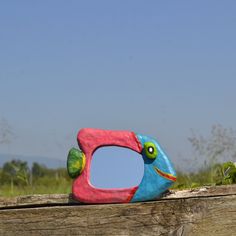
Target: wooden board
(205, 211)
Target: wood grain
(205, 211)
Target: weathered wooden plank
(36, 200)
(207, 211)
(65, 199)
(188, 216)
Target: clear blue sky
(155, 67)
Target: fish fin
(75, 162)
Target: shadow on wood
(204, 211)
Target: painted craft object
(159, 173)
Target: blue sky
(155, 67)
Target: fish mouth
(164, 174)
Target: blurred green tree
(38, 170)
(17, 172)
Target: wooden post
(204, 211)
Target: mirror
(116, 167)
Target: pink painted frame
(89, 140)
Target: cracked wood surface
(204, 211)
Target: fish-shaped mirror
(159, 173)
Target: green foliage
(220, 145)
(15, 171)
(225, 173)
(38, 170)
(219, 174)
(16, 178)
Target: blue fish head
(159, 173)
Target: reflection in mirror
(116, 167)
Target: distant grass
(59, 186)
(218, 174)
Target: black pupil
(151, 150)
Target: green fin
(75, 162)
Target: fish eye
(150, 150)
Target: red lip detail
(165, 175)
